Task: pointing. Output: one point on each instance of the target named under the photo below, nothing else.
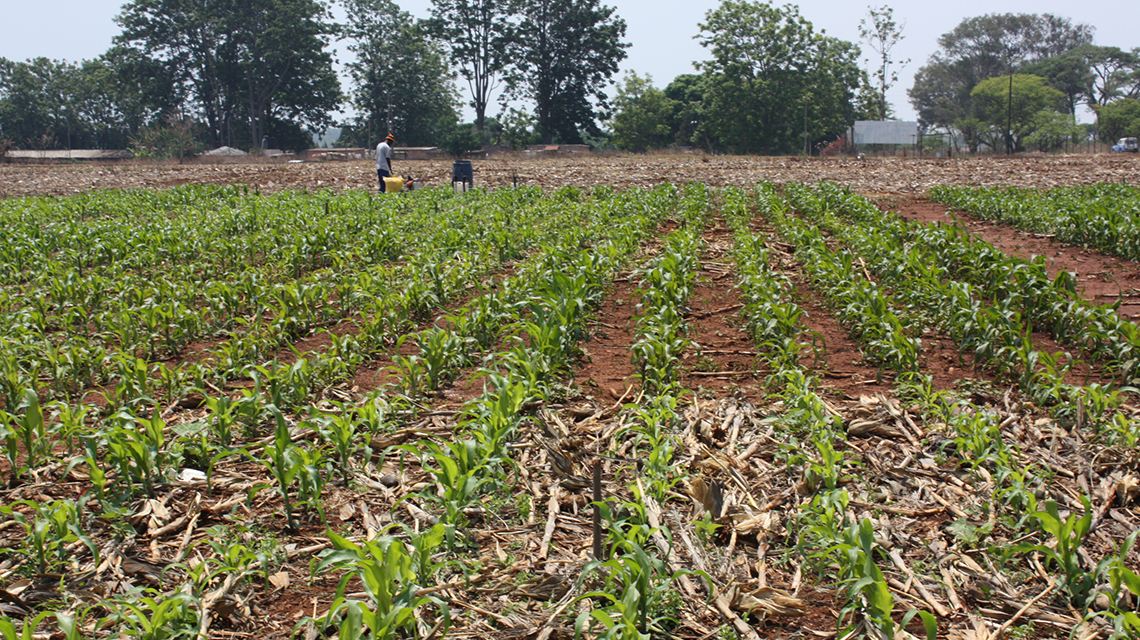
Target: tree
(34, 112)
(1066, 73)
(103, 110)
(516, 128)
(772, 78)
(185, 38)
(568, 52)
(145, 90)
(400, 79)
(985, 47)
(1112, 73)
(457, 139)
(247, 64)
(642, 115)
(882, 34)
(279, 55)
(91, 104)
(174, 138)
(1118, 119)
(1019, 107)
(1052, 130)
(479, 36)
(687, 92)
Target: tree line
(1016, 81)
(999, 82)
(183, 76)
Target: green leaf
(928, 621)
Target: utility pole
(807, 143)
(1009, 116)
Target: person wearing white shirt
(384, 159)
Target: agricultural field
(709, 398)
(872, 175)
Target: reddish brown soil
(842, 363)
(607, 371)
(722, 357)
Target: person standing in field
(384, 159)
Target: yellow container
(392, 185)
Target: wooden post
(598, 550)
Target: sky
(661, 32)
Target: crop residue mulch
(889, 176)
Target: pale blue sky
(661, 31)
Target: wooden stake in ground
(598, 553)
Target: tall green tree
(401, 82)
(1016, 102)
(1112, 73)
(145, 90)
(98, 104)
(248, 64)
(687, 92)
(35, 109)
(1066, 73)
(1052, 130)
(568, 52)
(984, 47)
(881, 34)
(1118, 119)
(185, 37)
(642, 115)
(480, 37)
(772, 78)
(515, 128)
(1092, 75)
(284, 69)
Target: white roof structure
(885, 132)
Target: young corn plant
(286, 386)
(228, 556)
(657, 351)
(442, 354)
(27, 428)
(1118, 595)
(136, 448)
(412, 371)
(823, 522)
(493, 420)
(639, 599)
(340, 431)
(655, 434)
(52, 528)
(161, 617)
(666, 285)
(288, 462)
(868, 595)
(1068, 536)
(388, 575)
(223, 418)
(460, 473)
(72, 422)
